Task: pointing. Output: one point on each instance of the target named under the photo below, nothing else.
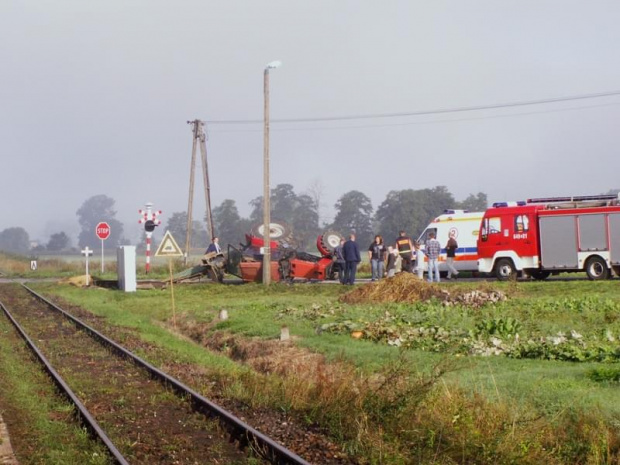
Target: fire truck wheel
(505, 269)
(540, 275)
(596, 268)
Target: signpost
(150, 221)
(87, 253)
(102, 230)
(169, 248)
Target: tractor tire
(328, 241)
(278, 232)
(596, 268)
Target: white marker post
(87, 253)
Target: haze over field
(95, 97)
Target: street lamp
(266, 193)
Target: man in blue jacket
(352, 257)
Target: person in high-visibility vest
(405, 250)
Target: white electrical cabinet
(126, 268)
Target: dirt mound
(404, 287)
(407, 288)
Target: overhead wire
(421, 112)
(411, 123)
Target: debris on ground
(408, 288)
(79, 281)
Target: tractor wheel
(277, 231)
(328, 241)
(505, 269)
(596, 268)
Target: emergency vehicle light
(453, 212)
(520, 203)
(576, 198)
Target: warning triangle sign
(168, 247)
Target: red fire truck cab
(551, 235)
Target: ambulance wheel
(596, 268)
(505, 269)
(540, 275)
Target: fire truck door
(523, 234)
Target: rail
(238, 429)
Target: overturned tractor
(287, 262)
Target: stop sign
(102, 230)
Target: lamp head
(273, 64)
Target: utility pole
(266, 187)
(199, 138)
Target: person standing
(214, 246)
(405, 250)
(451, 247)
(376, 254)
(391, 261)
(419, 260)
(339, 261)
(433, 249)
(351, 253)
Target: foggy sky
(95, 95)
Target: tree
(177, 225)
(283, 203)
(354, 213)
(58, 241)
(94, 210)
(229, 226)
(15, 240)
(305, 222)
(474, 203)
(299, 212)
(411, 210)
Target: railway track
(140, 413)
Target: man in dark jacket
(352, 257)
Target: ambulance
(464, 226)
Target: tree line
(408, 209)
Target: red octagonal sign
(102, 230)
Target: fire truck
(542, 236)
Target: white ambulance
(464, 226)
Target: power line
(415, 123)
(424, 112)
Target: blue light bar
(519, 203)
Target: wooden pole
(174, 314)
(190, 201)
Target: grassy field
(530, 379)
